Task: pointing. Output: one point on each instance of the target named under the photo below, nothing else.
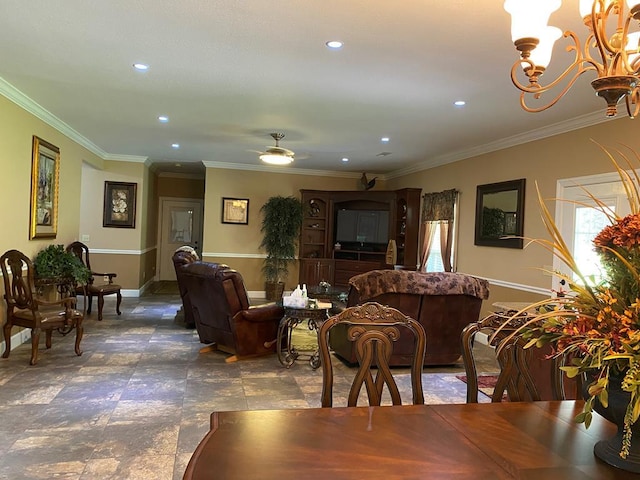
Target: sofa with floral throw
(444, 303)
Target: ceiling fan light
(273, 159)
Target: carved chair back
(373, 328)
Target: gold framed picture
(235, 210)
(119, 205)
(45, 172)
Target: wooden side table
(291, 319)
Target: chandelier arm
(627, 67)
(633, 103)
(535, 87)
(538, 93)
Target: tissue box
(295, 302)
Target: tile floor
(137, 402)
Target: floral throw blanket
(376, 282)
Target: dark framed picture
(119, 204)
(45, 171)
(235, 210)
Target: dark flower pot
(274, 291)
(609, 450)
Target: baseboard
(18, 338)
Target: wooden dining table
(526, 440)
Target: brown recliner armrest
(266, 313)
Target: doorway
(180, 224)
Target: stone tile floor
(137, 402)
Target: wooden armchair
(24, 309)
(92, 288)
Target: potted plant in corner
(281, 222)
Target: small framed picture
(119, 205)
(235, 210)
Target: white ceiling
(229, 72)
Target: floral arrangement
(597, 324)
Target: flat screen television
(362, 229)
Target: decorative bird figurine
(367, 184)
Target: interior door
(180, 224)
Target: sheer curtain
(438, 210)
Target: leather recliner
(183, 256)
(222, 314)
(443, 302)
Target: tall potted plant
(281, 222)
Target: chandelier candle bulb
(609, 49)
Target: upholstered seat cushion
(105, 289)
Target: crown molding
(125, 158)
(576, 123)
(287, 170)
(20, 99)
(189, 176)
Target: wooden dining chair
(26, 309)
(93, 288)
(526, 374)
(373, 328)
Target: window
(434, 258)
(438, 231)
(588, 223)
(579, 224)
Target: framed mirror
(500, 214)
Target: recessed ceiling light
(334, 44)
(141, 67)
(163, 119)
(345, 159)
(460, 103)
(384, 139)
(175, 145)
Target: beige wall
(18, 127)
(131, 252)
(180, 186)
(120, 250)
(544, 161)
(238, 245)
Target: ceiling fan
(277, 155)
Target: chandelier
(611, 50)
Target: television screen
(362, 226)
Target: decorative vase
(609, 450)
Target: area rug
(304, 339)
(486, 383)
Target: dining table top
(527, 440)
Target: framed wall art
(45, 171)
(235, 210)
(500, 214)
(119, 205)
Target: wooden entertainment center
(322, 260)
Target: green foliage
(281, 223)
(492, 222)
(55, 262)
